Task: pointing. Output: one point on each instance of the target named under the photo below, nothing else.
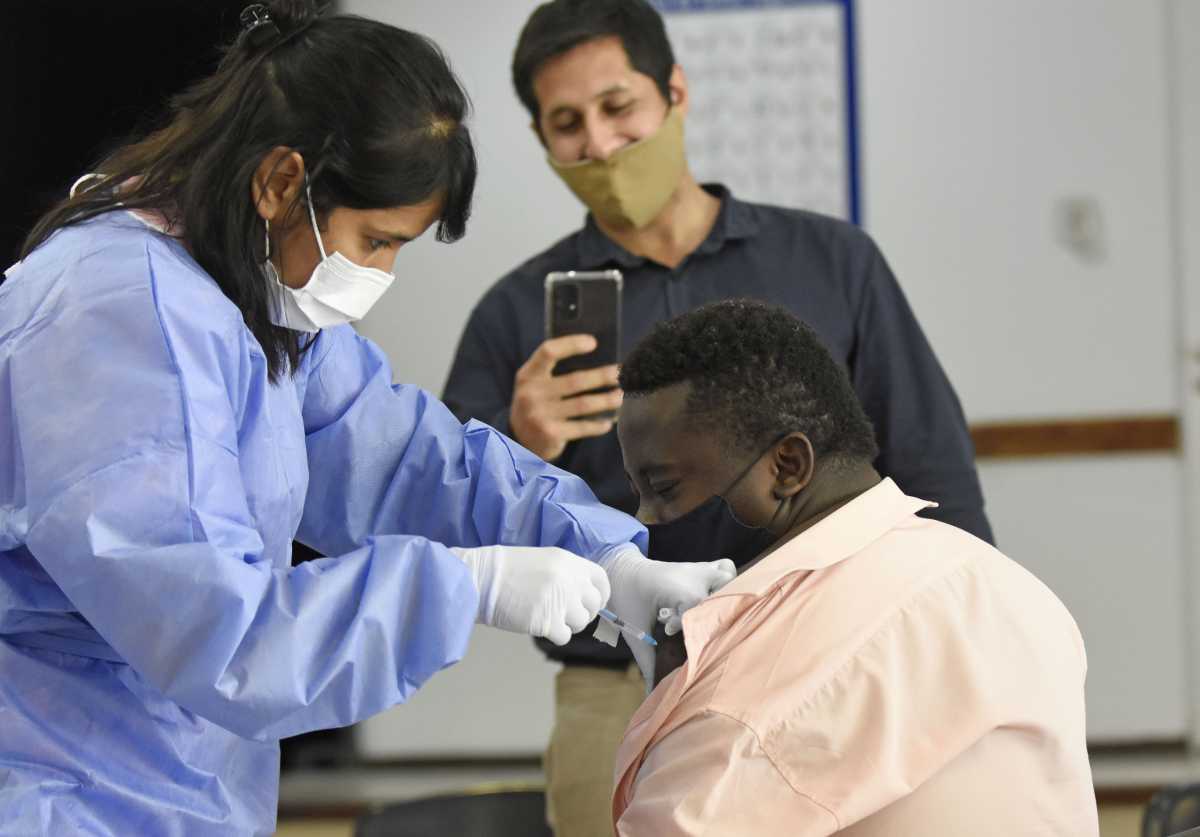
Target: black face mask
(711, 531)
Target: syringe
(625, 626)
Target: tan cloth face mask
(633, 185)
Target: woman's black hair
(561, 25)
(375, 111)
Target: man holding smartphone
(608, 103)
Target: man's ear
(278, 183)
(794, 463)
(677, 87)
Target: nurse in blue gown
(181, 396)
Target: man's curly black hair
(757, 374)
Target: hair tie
(258, 26)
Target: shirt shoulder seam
(962, 567)
(775, 765)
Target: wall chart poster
(773, 98)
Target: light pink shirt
(880, 674)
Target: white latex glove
(537, 590)
(641, 588)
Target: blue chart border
(851, 74)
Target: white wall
(1184, 24)
(977, 118)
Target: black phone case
(597, 311)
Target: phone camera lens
(567, 302)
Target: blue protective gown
(155, 641)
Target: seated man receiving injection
(869, 672)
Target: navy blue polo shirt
(827, 272)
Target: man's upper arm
(711, 777)
(924, 442)
(480, 383)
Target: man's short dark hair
(562, 25)
(757, 374)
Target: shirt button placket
(676, 290)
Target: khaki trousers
(592, 707)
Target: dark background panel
(82, 75)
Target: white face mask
(339, 291)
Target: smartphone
(586, 302)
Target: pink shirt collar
(844, 533)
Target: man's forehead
(587, 71)
(653, 428)
(660, 409)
